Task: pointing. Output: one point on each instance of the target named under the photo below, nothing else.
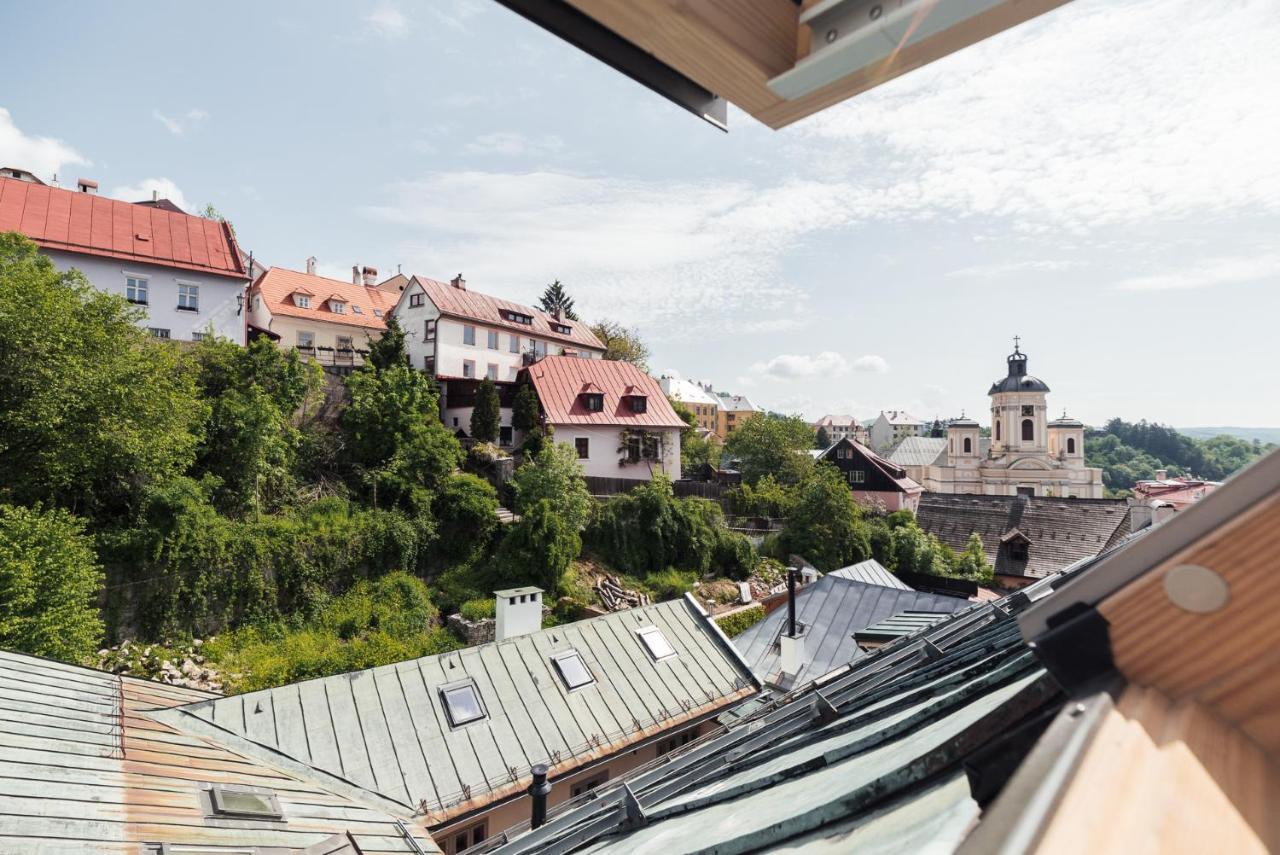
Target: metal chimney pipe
(538, 791)
(791, 602)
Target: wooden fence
(598, 485)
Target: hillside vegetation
(1129, 452)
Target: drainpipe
(538, 791)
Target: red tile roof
(278, 285)
(94, 225)
(468, 305)
(559, 380)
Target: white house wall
(603, 443)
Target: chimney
(155, 195)
(519, 612)
(538, 792)
(792, 640)
(1162, 474)
(459, 283)
(355, 274)
(370, 276)
(556, 314)
(87, 185)
(311, 266)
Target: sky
(1102, 182)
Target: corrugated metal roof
(903, 623)
(872, 572)
(472, 305)
(385, 732)
(559, 380)
(84, 768)
(870, 761)
(918, 451)
(831, 610)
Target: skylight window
(244, 802)
(573, 671)
(656, 643)
(462, 703)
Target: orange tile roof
(472, 306)
(278, 285)
(94, 225)
(559, 380)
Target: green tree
(972, 562)
(918, 551)
(388, 349)
(555, 474)
(525, 412)
(92, 410)
(771, 445)
(539, 548)
(695, 449)
(466, 510)
(487, 414)
(825, 525)
(766, 498)
(49, 584)
(555, 297)
(621, 344)
(823, 439)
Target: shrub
(538, 549)
(770, 571)
(554, 473)
(477, 610)
(768, 498)
(736, 623)
(487, 413)
(669, 584)
(467, 514)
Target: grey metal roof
(383, 731)
(896, 626)
(84, 769)
(918, 451)
(831, 609)
(872, 572)
(869, 761)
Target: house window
(562, 329)
(1028, 430)
(639, 403)
(492, 372)
(337, 307)
(513, 343)
(968, 445)
(464, 839)
(517, 317)
(593, 402)
(462, 703)
(135, 290)
(416, 299)
(468, 335)
(656, 643)
(244, 802)
(158, 332)
(573, 672)
(1018, 550)
(513, 373)
(188, 298)
(539, 348)
(468, 368)
(198, 336)
(584, 787)
(505, 437)
(302, 301)
(429, 331)
(650, 447)
(1071, 445)
(582, 445)
(306, 340)
(493, 340)
(857, 476)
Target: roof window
(517, 317)
(244, 802)
(377, 313)
(357, 309)
(562, 329)
(573, 671)
(637, 403)
(462, 703)
(656, 643)
(302, 301)
(593, 402)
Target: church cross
(1016, 339)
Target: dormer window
(592, 402)
(637, 403)
(562, 329)
(517, 317)
(337, 307)
(302, 301)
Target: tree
(771, 445)
(918, 551)
(621, 344)
(539, 548)
(554, 473)
(695, 449)
(972, 562)
(92, 410)
(487, 415)
(825, 524)
(467, 512)
(556, 298)
(823, 439)
(525, 411)
(388, 349)
(49, 584)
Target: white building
(612, 414)
(461, 337)
(840, 427)
(894, 425)
(185, 273)
(704, 405)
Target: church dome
(962, 422)
(1018, 380)
(1066, 422)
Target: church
(1026, 454)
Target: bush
(554, 473)
(538, 549)
(732, 555)
(770, 571)
(736, 623)
(467, 511)
(768, 498)
(477, 610)
(669, 584)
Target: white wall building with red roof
(612, 414)
(461, 337)
(185, 273)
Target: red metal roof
(278, 285)
(87, 223)
(559, 380)
(469, 305)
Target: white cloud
(1215, 271)
(386, 20)
(996, 270)
(871, 364)
(141, 192)
(44, 156)
(828, 363)
(179, 126)
(510, 143)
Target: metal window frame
(448, 712)
(641, 632)
(572, 653)
(218, 810)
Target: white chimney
(459, 283)
(311, 266)
(1162, 474)
(87, 185)
(519, 612)
(155, 195)
(370, 275)
(355, 274)
(793, 655)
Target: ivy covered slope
(1128, 452)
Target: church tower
(963, 438)
(1019, 416)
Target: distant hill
(1249, 434)
(1128, 452)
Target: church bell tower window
(1028, 430)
